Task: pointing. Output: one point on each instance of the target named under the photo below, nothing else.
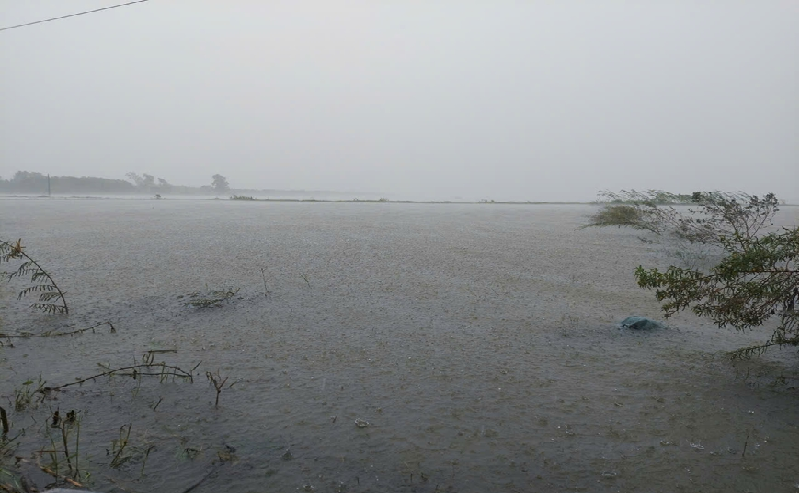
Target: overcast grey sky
(536, 100)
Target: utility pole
(48, 184)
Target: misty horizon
(539, 102)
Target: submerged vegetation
(756, 277)
(60, 454)
(218, 382)
(59, 435)
(212, 298)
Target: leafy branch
(755, 276)
(716, 215)
(757, 279)
(51, 298)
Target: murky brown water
(479, 342)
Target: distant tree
(144, 181)
(164, 186)
(757, 279)
(137, 180)
(220, 184)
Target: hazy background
(498, 100)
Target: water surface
(478, 341)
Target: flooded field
(476, 346)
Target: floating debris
(641, 323)
(361, 423)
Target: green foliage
(11, 482)
(24, 395)
(638, 210)
(50, 297)
(716, 215)
(656, 197)
(755, 277)
(118, 446)
(619, 215)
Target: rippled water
(478, 341)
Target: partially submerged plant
(618, 215)
(218, 382)
(266, 289)
(51, 298)
(12, 483)
(119, 445)
(4, 421)
(148, 368)
(65, 426)
(24, 396)
(212, 298)
(60, 455)
(124, 451)
(49, 333)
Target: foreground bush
(756, 278)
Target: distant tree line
(36, 183)
(30, 182)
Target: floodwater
(479, 342)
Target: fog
(496, 100)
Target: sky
(502, 100)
